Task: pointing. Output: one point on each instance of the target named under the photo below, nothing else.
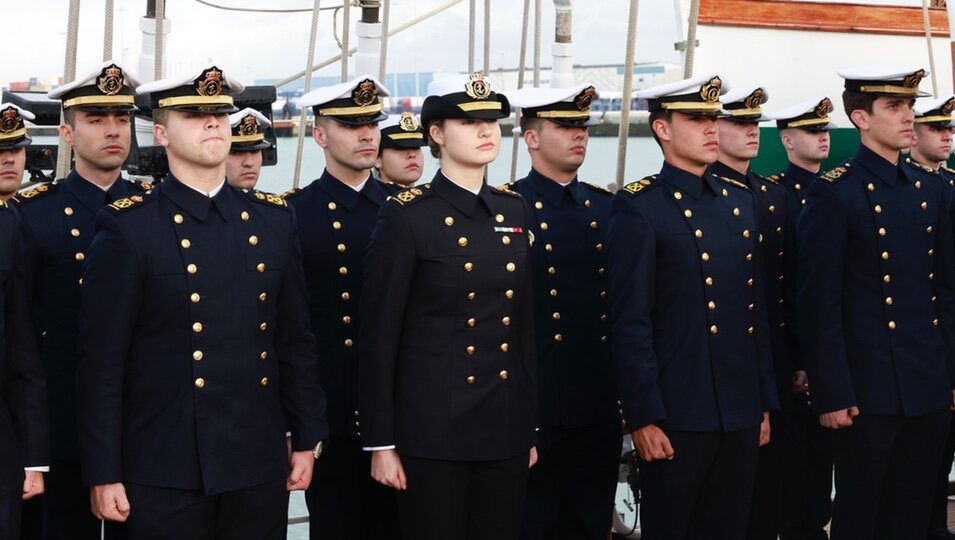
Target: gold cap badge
(365, 93)
(111, 80)
(710, 92)
(407, 122)
(585, 98)
(209, 84)
(10, 120)
(478, 87)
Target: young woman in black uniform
(447, 364)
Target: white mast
(563, 49)
(368, 57)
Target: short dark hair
(160, 116)
(69, 117)
(852, 101)
(664, 114)
(529, 123)
(433, 146)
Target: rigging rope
(627, 93)
(522, 64)
(160, 39)
(487, 36)
(537, 43)
(472, 14)
(346, 34)
(928, 42)
(691, 39)
(303, 117)
(69, 73)
(108, 32)
(260, 10)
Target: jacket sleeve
(945, 276)
(303, 399)
(110, 301)
(389, 270)
(821, 235)
(631, 263)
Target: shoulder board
(411, 195)
(506, 190)
(597, 188)
(777, 177)
(509, 186)
(948, 169)
(733, 183)
(264, 197)
(773, 178)
(641, 185)
(143, 186)
(292, 193)
(134, 201)
(919, 166)
(835, 174)
(37, 192)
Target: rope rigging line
(260, 10)
(160, 39)
(108, 32)
(926, 22)
(627, 93)
(303, 117)
(64, 151)
(691, 39)
(346, 35)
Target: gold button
(882, 231)
(705, 256)
(556, 316)
(449, 221)
(593, 224)
(885, 255)
(504, 347)
(264, 326)
(502, 375)
(470, 350)
(538, 205)
(878, 209)
(749, 282)
(749, 256)
(336, 225)
(346, 319)
(349, 343)
(508, 293)
(677, 195)
(191, 268)
(178, 218)
(194, 298)
(197, 327)
(341, 248)
(185, 243)
(603, 339)
(499, 218)
(726, 193)
(714, 329)
(253, 240)
(553, 293)
(558, 338)
(931, 276)
(544, 226)
(263, 355)
(688, 213)
(780, 254)
(887, 278)
(891, 325)
(264, 381)
(81, 282)
(75, 233)
(751, 307)
(263, 297)
(551, 270)
(471, 322)
(924, 205)
(587, 203)
(603, 294)
(698, 233)
(736, 212)
(468, 267)
(798, 187)
(746, 233)
(200, 382)
(511, 267)
(888, 301)
(749, 330)
(772, 209)
(709, 281)
(928, 229)
(506, 240)
(934, 322)
(332, 206)
(80, 256)
(601, 271)
(763, 189)
(346, 296)
(506, 321)
(603, 317)
(244, 216)
(470, 379)
(918, 184)
(462, 241)
(471, 296)
(931, 252)
(68, 211)
(343, 270)
(599, 247)
(548, 248)
(870, 186)
(711, 304)
(260, 267)
(197, 355)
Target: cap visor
(19, 143)
(259, 145)
(358, 120)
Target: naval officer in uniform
(24, 422)
(448, 367)
(876, 311)
(337, 213)
(571, 489)
(400, 159)
(195, 351)
(804, 133)
(689, 330)
(244, 164)
(13, 154)
(739, 144)
(58, 226)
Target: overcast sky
(259, 46)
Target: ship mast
(563, 49)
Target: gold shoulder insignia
(3, 204)
(407, 196)
(126, 202)
(270, 198)
(774, 178)
(834, 174)
(294, 192)
(948, 169)
(506, 190)
(734, 183)
(145, 186)
(508, 186)
(919, 166)
(596, 188)
(37, 192)
(634, 188)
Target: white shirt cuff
(38, 469)
(377, 448)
